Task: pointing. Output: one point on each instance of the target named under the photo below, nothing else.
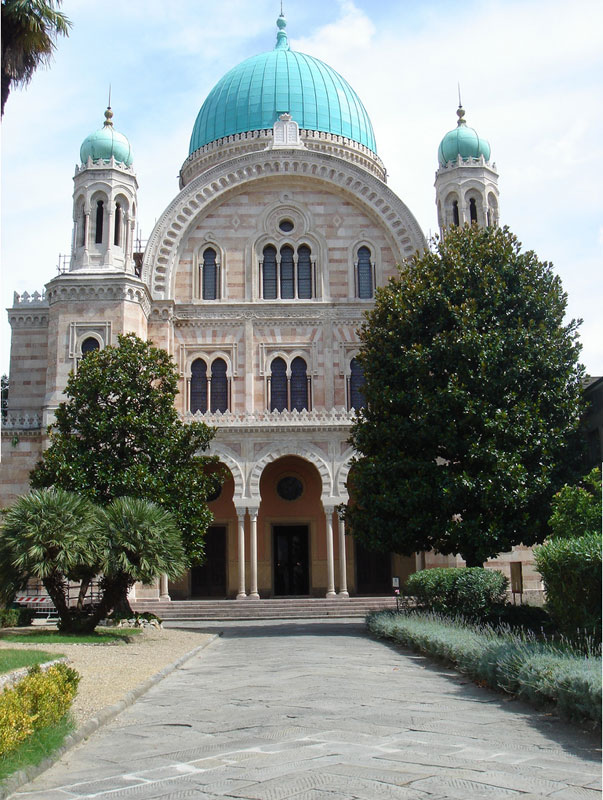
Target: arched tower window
(89, 345)
(299, 384)
(209, 279)
(198, 386)
(82, 230)
(219, 386)
(278, 385)
(364, 277)
(100, 213)
(472, 210)
(269, 273)
(304, 272)
(117, 235)
(455, 213)
(356, 384)
(287, 273)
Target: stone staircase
(279, 608)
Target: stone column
(241, 595)
(330, 560)
(253, 553)
(343, 577)
(164, 593)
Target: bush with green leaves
(39, 700)
(474, 591)
(576, 510)
(16, 617)
(571, 572)
(541, 672)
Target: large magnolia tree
(473, 392)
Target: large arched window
(198, 386)
(287, 273)
(455, 213)
(219, 386)
(269, 273)
(100, 213)
(472, 210)
(299, 384)
(209, 274)
(117, 234)
(278, 385)
(304, 272)
(356, 385)
(364, 274)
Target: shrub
(39, 700)
(530, 618)
(474, 591)
(16, 617)
(539, 672)
(571, 571)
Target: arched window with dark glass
(278, 385)
(219, 386)
(455, 213)
(356, 385)
(299, 384)
(365, 274)
(82, 230)
(473, 210)
(117, 235)
(89, 345)
(100, 212)
(210, 274)
(287, 273)
(269, 273)
(199, 386)
(304, 272)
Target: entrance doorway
(291, 560)
(209, 580)
(373, 571)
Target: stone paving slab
(320, 711)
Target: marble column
(241, 595)
(330, 560)
(343, 576)
(253, 553)
(164, 593)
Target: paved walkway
(319, 711)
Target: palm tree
(29, 31)
(48, 535)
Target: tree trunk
(115, 589)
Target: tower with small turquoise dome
(466, 181)
(104, 202)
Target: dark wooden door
(291, 560)
(373, 571)
(209, 580)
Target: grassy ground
(38, 747)
(103, 636)
(15, 659)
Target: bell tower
(466, 182)
(104, 203)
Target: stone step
(271, 608)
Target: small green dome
(253, 94)
(106, 143)
(462, 141)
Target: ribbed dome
(252, 96)
(106, 143)
(462, 141)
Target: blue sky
(531, 76)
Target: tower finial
(282, 42)
(460, 112)
(108, 113)
(109, 103)
(459, 87)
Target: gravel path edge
(23, 776)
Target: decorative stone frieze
(71, 287)
(22, 421)
(317, 419)
(29, 300)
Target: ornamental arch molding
(343, 472)
(336, 175)
(307, 452)
(229, 460)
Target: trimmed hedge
(16, 617)
(474, 591)
(39, 700)
(571, 571)
(542, 673)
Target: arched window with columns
(198, 389)
(99, 220)
(210, 283)
(299, 384)
(278, 385)
(365, 278)
(355, 385)
(219, 385)
(287, 274)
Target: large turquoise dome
(106, 143)
(252, 96)
(463, 141)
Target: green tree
(474, 398)
(118, 434)
(29, 32)
(576, 509)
